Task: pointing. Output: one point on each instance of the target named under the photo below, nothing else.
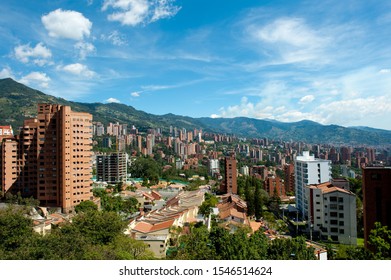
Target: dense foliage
(256, 198)
(91, 235)
(220, 244)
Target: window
(333, 214)
(376, 176)
(333, 229)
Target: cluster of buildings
(51, 160)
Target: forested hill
(18, 102)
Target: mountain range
(18, 102)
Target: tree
(380, 241)
(146, 168)
(15, 228)
(130, 205)
(249, 197)
(85, 206)
(205, 209)
(99, 227)
(257, 200)
(290, 248)
(196, 245)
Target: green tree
(85, 206)
(15, 228)
(249, 194)
(196, 245)
(257, 200)
(290, 248)
(99, 227)
(130, 205)
(380, 240)
(146, 168)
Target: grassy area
(360, 242)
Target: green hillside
(18, 102)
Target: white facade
(332, 212)
(214, 166)
(244, 170)
(308, 171)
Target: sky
(327, 61)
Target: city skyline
(328, 62)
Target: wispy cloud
(307, 99)
(84, 49)
(135, 93)
(289, 40)
(136, 12)
(115, 37)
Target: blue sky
(328, 61)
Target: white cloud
(136, 12)
(84, 49)
(291, 40)
(307, 99)
(136, 93)
(40, 54)
(115, 37)
(36, 78)
(385, 71)
(78, 69)
(355, 110)
(164, 9)
(158, 87)
(261, 111)
(67, 24)
(6, 73)
(112, 100)
(215, 116)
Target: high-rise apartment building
(54, 157)
(289, 177)
(230, 181)
(308, 171)
(377, 198)
(8, 163)
(214, 167)
(111, 168)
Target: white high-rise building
(244, 170)
(309, 171)
(214, 166)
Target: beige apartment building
(53, 158)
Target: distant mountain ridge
(18, 102)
